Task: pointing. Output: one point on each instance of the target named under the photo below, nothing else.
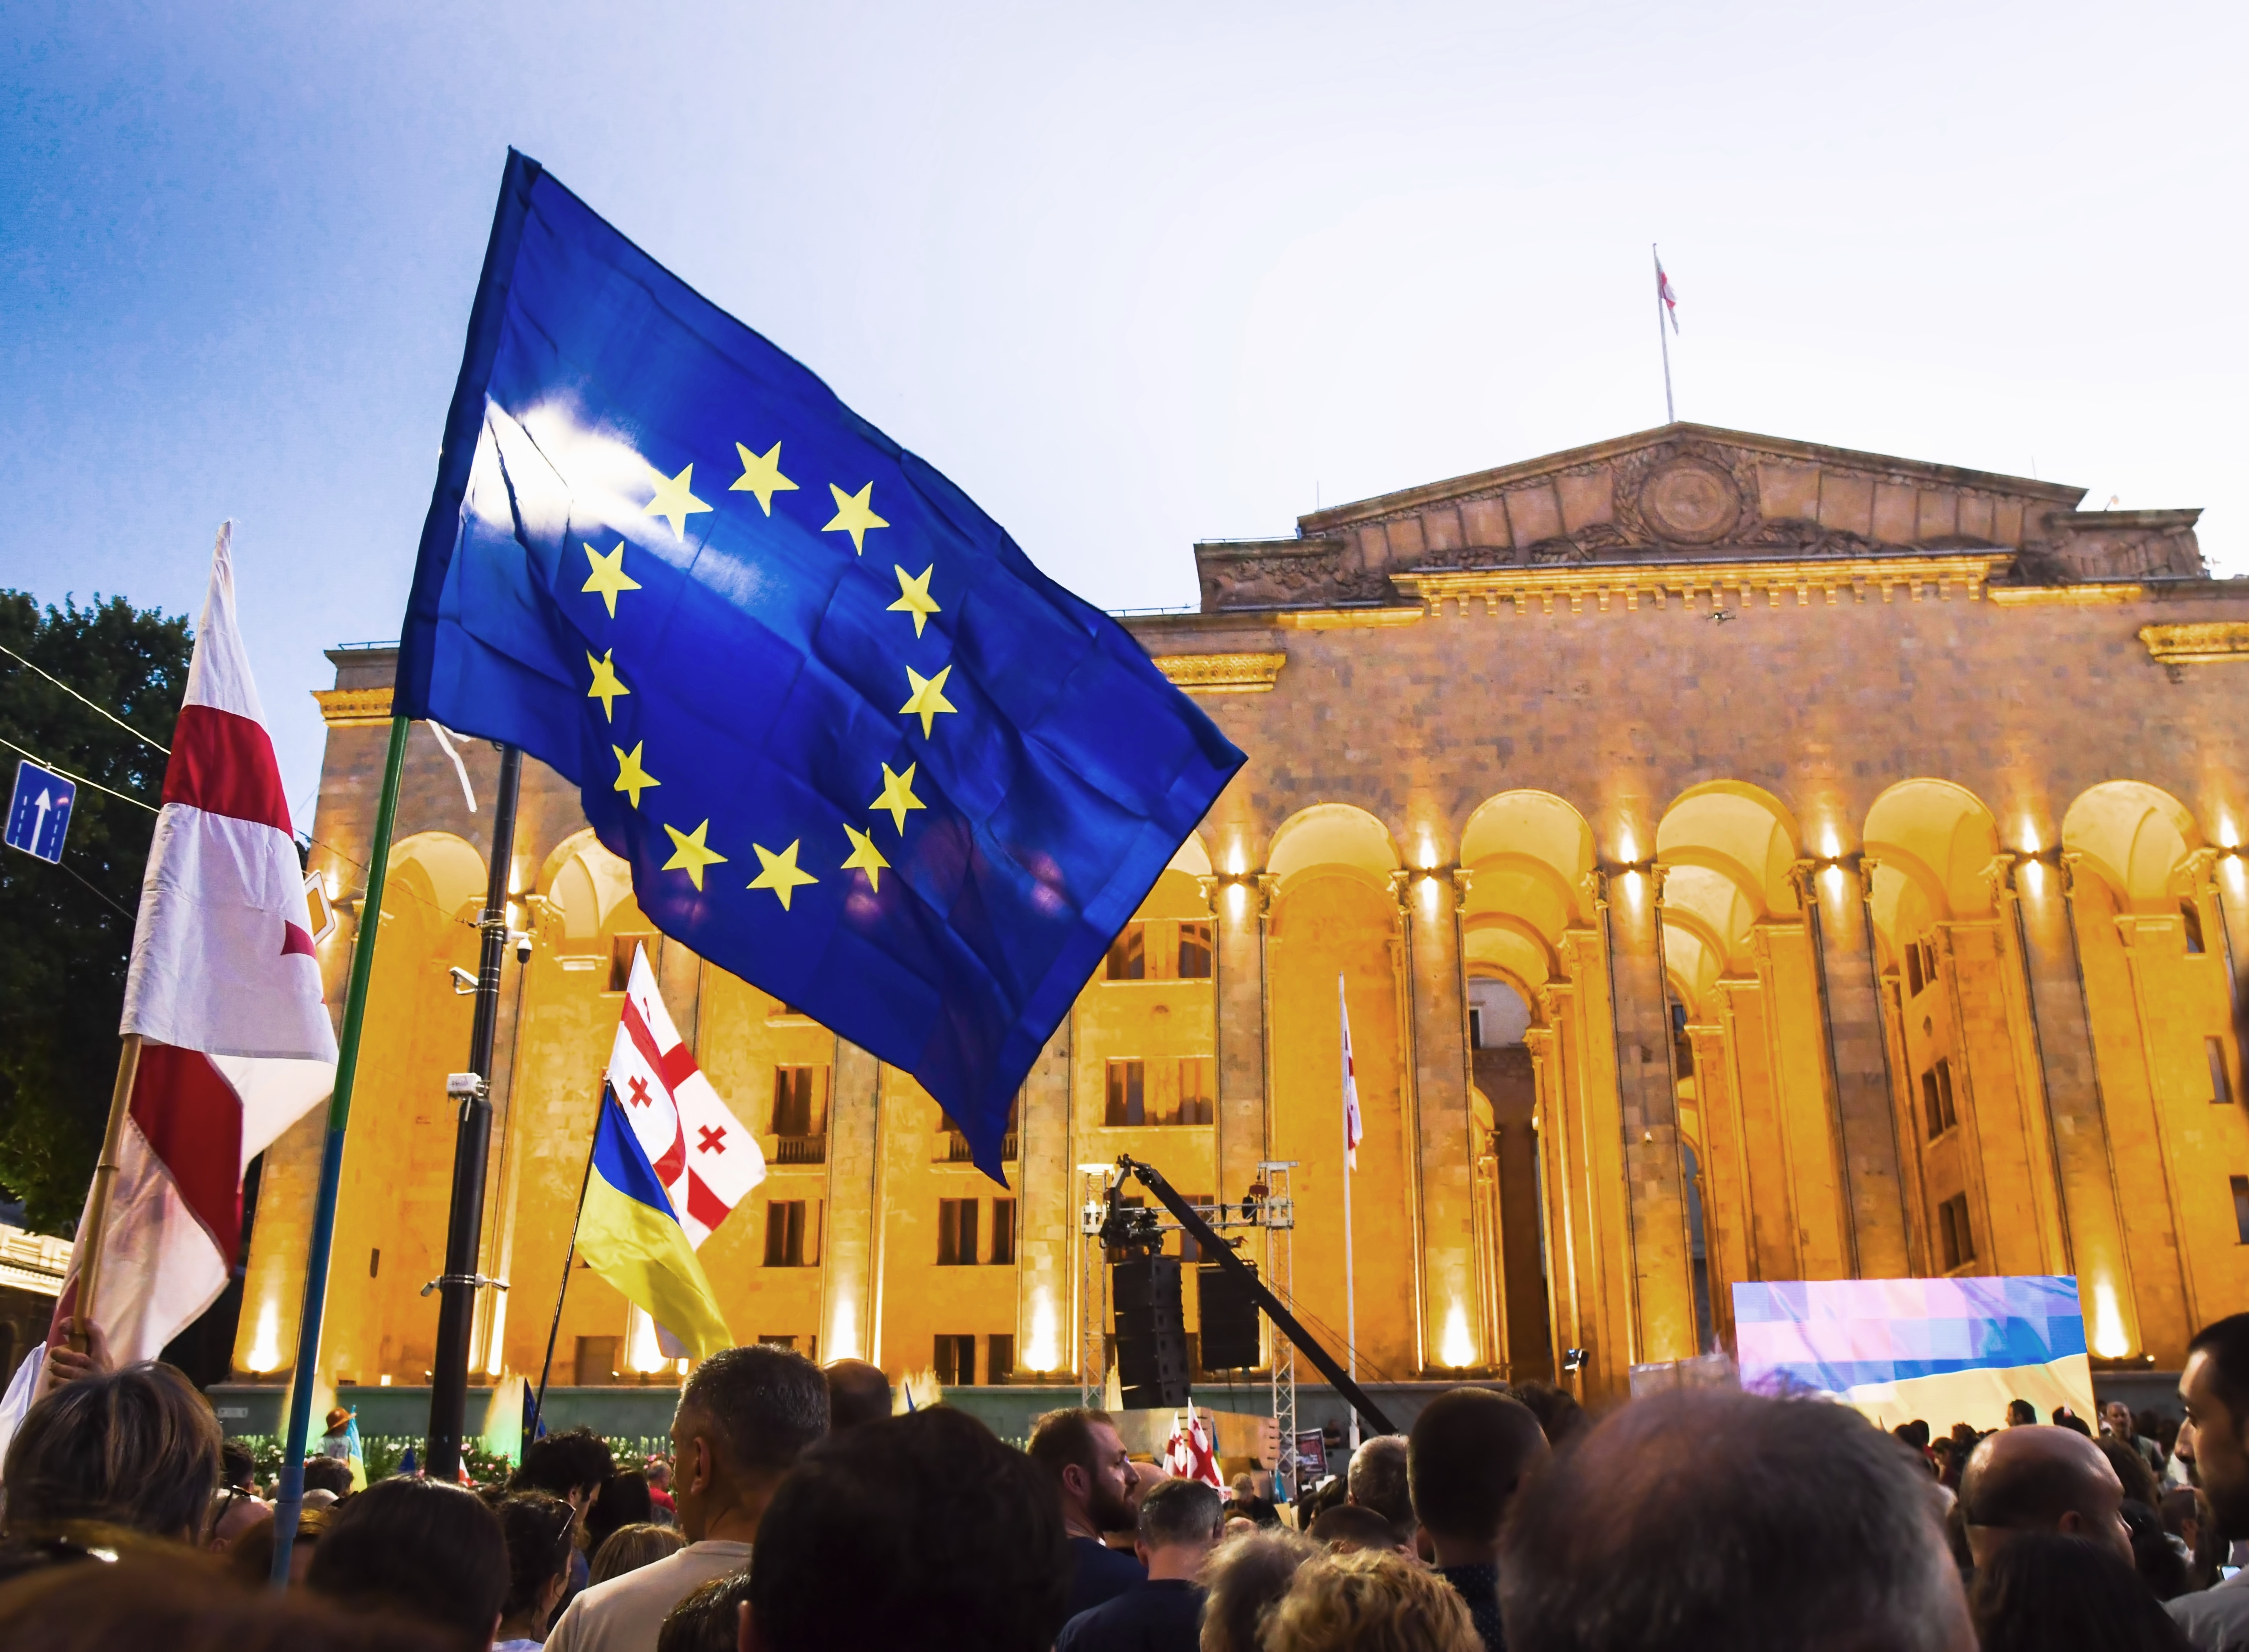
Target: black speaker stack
(1151, 1332)
(1229, 1318)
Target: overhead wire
(90, 704)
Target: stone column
(1242, 910)
(2148, 941)
(2092, 1226)
(1655, 1225)
(1046, 1247)
(850, 1257)
(1443, 1148)
(1858, 1066)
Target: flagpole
(1350, 1288)
(289, 1501)
(1662, 336)
(96, 1227)
(570, 1255)
(463, 1278)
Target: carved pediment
(1687, 493)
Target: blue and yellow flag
(629, 1234)
(856, 748)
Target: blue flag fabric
(856, 748)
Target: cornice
(1943, 576)
(2033, 596)
(2205, 643)
(353, 707)
(1222, 673)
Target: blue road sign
(39, 812)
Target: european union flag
(856, 748)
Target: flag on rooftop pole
(1354, 1132)
(705, 1160)
(856, 748)
(629, 1234)
(222, 1006)
(1663, 291)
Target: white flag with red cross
(706, 1160)
(1189, 1454)
(1354, 1128)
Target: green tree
(66, 932)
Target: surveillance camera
(523, 946)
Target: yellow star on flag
(608, 576)
(761, 475)
(689, 855)
(673, 502)
(606, 687)
(928, 697)
(865, 857)
(914, 597)
(897, 795)
(781, 873)
(854, 516)
(631, 777)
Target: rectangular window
(1195, 952)
(1128, 1094)
(1197, 1103)
(1943, 1070)
(792, 1233)
(621, 957)
(2240, 1210)
(1960, 1240)
(799, 1106)
(1003, 1232)
(1000, 1367)
(956, 1233)
(1913, 982)
(2190, 925)
(1475, 1028)
(2221, 1080)
(1128, 953)
(1932, 1107)
(954, 1361)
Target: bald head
(2041, 1478)
(857, 1393)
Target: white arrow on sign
(40, 830)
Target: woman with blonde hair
(1247, 1573)
(1371, 1601)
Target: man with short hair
(857, 1393)
(2214, 1387)
(1086, 1461)
(1806, 1527)
(2041, 1478)
(1376, 1479)
(1180, 1522)
(1470, 1449)
(2021, 1414)
(417, 1549)
(745, 1416)
(919, 1531)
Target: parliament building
(1743, 860)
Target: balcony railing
(957, 1150)
(800, 1149)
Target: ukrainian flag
(629, 1235)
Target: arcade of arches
(1827, 895)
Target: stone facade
(1743, 860)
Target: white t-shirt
(624, 1614)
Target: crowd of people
(794, 1513)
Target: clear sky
(1132, 276)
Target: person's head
(419, 1549)
(709, 1619)
(1245, 1578)
(918, 1533)
(745, 1416)
(152, 1597)
(1350, 1528)
(2065, 1418)
(1376, 1479)
(249, 1557)
(857, 1393)
(572, 1465)
(2132, 1470)
(1180, 1521)
(339, 1420)
(1915, 1433)
(1559, 1414)
(2041, 1479)
(2021, 1414)
(1370, 1603)
(1148, 1476)
(659, 1474)
(2118, 1417)
(535, 1525)
(1087, 1462)
(237, 1467)
(1809, 1527)
(2214, 1387)
(1470, 1449)
(331, 1475)
(631, 1548)
(2045, 1592)
(136, 1447)
(622, 1501)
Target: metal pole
(457, 1285)
(1662, 336)
(290, 1502)
(539, 1405)
(1350, 1289)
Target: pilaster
(852, 1247)
(1241, 908)
(1443, 1147)
(1047, 1246)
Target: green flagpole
(291, 1502)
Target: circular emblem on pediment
(1691, 501)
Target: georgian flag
(1663, 291)
(1354, 1128)
(1189, 1454)
(225, 989)
(705, 1160)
